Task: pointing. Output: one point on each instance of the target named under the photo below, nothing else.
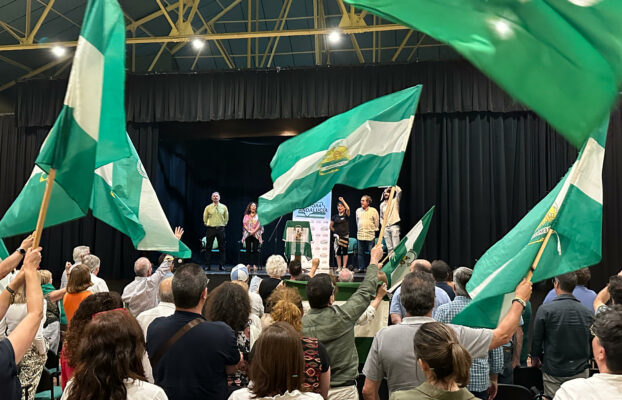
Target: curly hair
(248, 208)
(93, 304)
(111, 351)
(288, 312)
(287, 294)
(276, 266)
(230, 304)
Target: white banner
(318, 214)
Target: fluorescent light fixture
(197, 43)
(334, 37)
(59, 51)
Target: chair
(46, 389)
(529, 377)
(214, 246)
(513, 392)
(352, 246)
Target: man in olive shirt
(215, 218)
(334, 326)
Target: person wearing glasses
(561, 336)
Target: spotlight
(197, 43)
(334, 36)
(58, 51)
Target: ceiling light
(59, 51)
(334, 36)
(197, 43)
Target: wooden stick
(539, 255)
(44, 207)
(387, 257)
(386, 217)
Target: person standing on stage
(367, 221)
(251, 235)
(392, 230)
(340, 224)
(215, 218)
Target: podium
(298, 238)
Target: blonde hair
(46, 276)
(276, 266)
(288, 312)
(241, 283)
(20, 293)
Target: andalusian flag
(407, 250)
(90, 129)
(572, 211)
(4, 253)
(562, 58)
(361, 148)
(124, 198)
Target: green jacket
(334, 327)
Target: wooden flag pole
(386, 217)
(44, 207)
(539, 255)
(387, 257)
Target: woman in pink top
(251, 235)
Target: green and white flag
(124, 198)
(407, 250)
(572, 210)
(361, 148)
(4, 253)
(297, 236)
(90, 129)
(562, 58)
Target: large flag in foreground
(572, 211)
(90, 129)
(4, 253)
(362, 147)
(407, 250)
(562, 58)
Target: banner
(318, 215)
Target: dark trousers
(219, 234)
(252, 250)
(364, 247)
(507, 376)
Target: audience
(317, 363)
(98, 302)
(276, 374)
(78, 253)
(580, 292)
(397, 310)
(93, 262)
(381, 291)
(109, 361)
(611, 293)
(12, 261)
(295, 270)
(276, 267)
(19, 342)
(230, 304)
(334, 325)
(561, 332)
(239, 273)
(441, 273)
(346, 275)
(485, 370)
(142, 293)
(51, 327)
(79, 282)
(607, 350)
(444, 362)
(391, 354)
(195, 364)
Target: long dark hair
(91, 305)
(248, 208)
(110, 352)
(230, 304)
(276, 372)
(79, 279)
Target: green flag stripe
(370, 139)
(362, 172)
(390, 108)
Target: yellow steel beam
(249, 41)
(10, 30)
(15, 63)
(30, 38)
(157, 57)
(276, 41)
(193, 11)
(357, 49)
(399, 49)
(149, 17)
(28, 12)
(36, 72)
(276, 28)
(168, 17)
(63, 68)
(217, 43)
(412, 53)
(316, 47)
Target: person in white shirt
(276, 374)
(77, 254)
(142, 293)
(93, 262)
(607, 348)
(111, 352)
(392, 230)
(164, 309)
(239, 273)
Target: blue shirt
(396, 304)
(481, 368)
(584, 295)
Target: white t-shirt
(245, 394)
(136, 390)
(598, 387)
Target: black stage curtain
(279, 94)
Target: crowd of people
(167, 337)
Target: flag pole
(387, 257)
(44, 207)
(386, 217)
(539, 255)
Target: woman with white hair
(276, 267)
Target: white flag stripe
(473, 293)
(158, 232)
(412, 236)
(84, 91)
(589, 171)
(378, 138)
(105, 171)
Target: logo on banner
(317, 210)
(334, 159)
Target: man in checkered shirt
(485, 370)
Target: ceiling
(237, 34)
